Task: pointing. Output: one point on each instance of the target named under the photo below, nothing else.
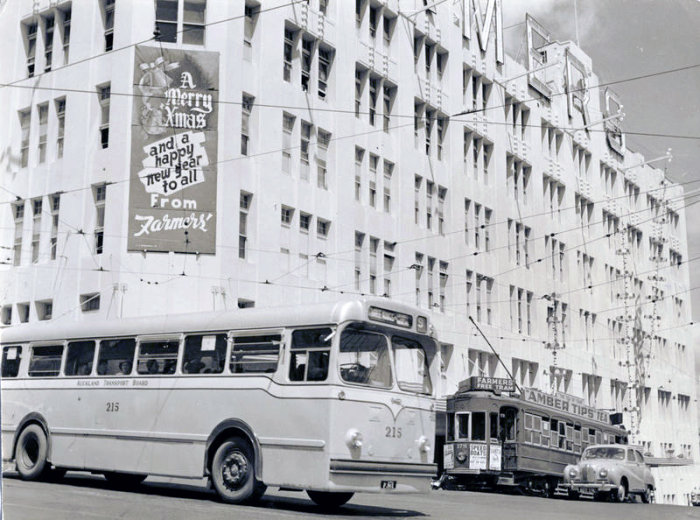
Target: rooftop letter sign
(613, 127)
(172, 191)
(577, 94)
(537, 37)
(492, 16)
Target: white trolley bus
(329, 398)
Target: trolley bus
(496, 437)
(329, 398)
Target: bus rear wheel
(31, 452)
(329, 499)
(233, 472)
(124, 480)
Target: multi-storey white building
(373, 147)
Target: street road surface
(85, 496)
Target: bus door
(506, 434)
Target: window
(79, 358)
(193, 18)
(245, 199)
(108, 21)
(23, 312)
(246, 109)
(116, 357)
(429, 120)
(44, 310)
(307, 49)
(204, 354)
(304, 149)
(478, 426)
(30, 35)
(304, 222)
(66, 13)
(323, 140)
(90, 302)
(441, 123)
(310, 353)
(25, 118)
(157, 357)
(251, 18)
(322, 227)
(289, 36)
(287, 129)
(100, 196)
(374, 14)
(325, 60)
(364, 359)
(244, 303)
(6, 315)
(373, 92)
(18, 213)
(36, 228)
(11, 359)
(43, 112)
(388, 170)
(359, 87)
(255, 354)
(411, 362)
(373, 163)
(104, 98)
(48, 42)
(60, 105)
(389, 24)
(389, 94)
(45, 361)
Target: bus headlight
(353, 438)
(423, 444)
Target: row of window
(44, 308)
(323, 226)
(374, 264)
(363, 357)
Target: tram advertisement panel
(172, 192)
(495, 457)
(477, 456)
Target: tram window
(577, 438)
(554, 430)
(45, 361)
(591, 435)
(450, 426)
(157, 357)
(528, 421)
(364, 359)
(508, 416)
(562, 435)
(493, 425)
(411, 365)
(544, 441)
(569, 437)
(204, 354)
(116, 357)
(310, 354)
(599, 437)
(478, 426)
(463, 425)
(255, 354)
(79, 358)
(536, 429)
(11, 357)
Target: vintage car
(610, 470)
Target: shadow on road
(197, 492)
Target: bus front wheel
(233, 472)
(329, 499)
(31, 452)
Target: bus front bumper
(380, 477)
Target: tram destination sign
(565, 403)
(494, 384)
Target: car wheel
(621, 493)
(328, 499)
(647, 495)
(233, 472)
(31, 452)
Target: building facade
(345, 148)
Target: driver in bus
(124, 368)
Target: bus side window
(11, 358)
(157, 357)
(255, 354)
(116, 357)
(79, 358)
(204, 354)
(46, 361)
(310, 354)
(478, 426)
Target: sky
(627, 38)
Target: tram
(497, 437)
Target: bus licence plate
(388, 484)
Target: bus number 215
(112, 406)
(393, 432)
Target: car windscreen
(604, 452)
